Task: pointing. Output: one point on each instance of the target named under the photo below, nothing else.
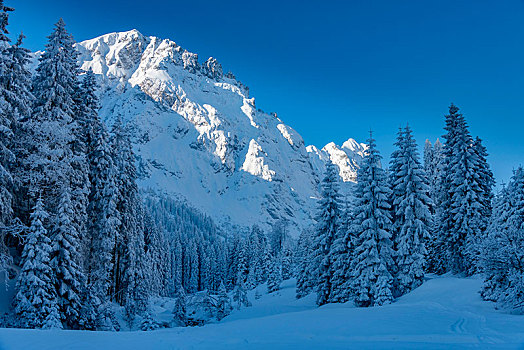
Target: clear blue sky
(334, 69)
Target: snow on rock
(199, 136)
(294, 139)
(254, 164)
(347, 158)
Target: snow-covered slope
(444, 313)
(199, 135)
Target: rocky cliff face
(199, 136)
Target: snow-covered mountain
(200, 137)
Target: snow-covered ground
(446, 312)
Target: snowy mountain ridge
(199, 136)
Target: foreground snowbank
(445, 312)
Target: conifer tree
(130, 237)
(342, 255)
(15, 101)
(304, 280)
(240, 296)
(502, 255)
(18, 86)
(436, 261)
(275, 276)
(492, 263)
(103, 220)
(327, 219)
(7, 121)
(65, 260)
(486, 182)
(35, 302)
(412, 218)
(373, 256)
(50, 156)
(460, 215)
(180, 309)
(243, 267)
(223, 303)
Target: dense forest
(83, 241)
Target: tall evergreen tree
(88, 127)
(15, 100)
(180, 309)
(130, 238)
(373, 256)
(103, 221)
(342, 255)
(52, 123)
(461, 211)
(436, 261)
(412, 218)
(19, 84)
(493, 262)
(486, 182)
(7, 122)
(65, 260)
(304, 281)
(328, 220)
(35, 301)
(223, 303)
(502, 257)
(275, 275)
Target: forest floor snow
(445, 312)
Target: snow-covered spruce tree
(35, 302)
(502, 257)
(243, 267)
(412, 217)
(66, 264)
(287, 262)
(342, 255)
(180, 308)
(279, 236)
(373, 255)
(304, 280)
(83, 111)
(433, 162)
(51, 159)
(129, 246)
(428, 156)
(436, 258)
(103, 222)
(257, 244)
(493, 263)
(89, 127)
(52, 123)
(487, 182)
(274, 279)
(234, 245)
(223, 303)
(157, 256)
(15, 102)
(240, 296)
(18, 84)
(190, 267)
(461, 210)
(327, 223)
(7, 121)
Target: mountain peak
(199, 137)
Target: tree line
(413, 218)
